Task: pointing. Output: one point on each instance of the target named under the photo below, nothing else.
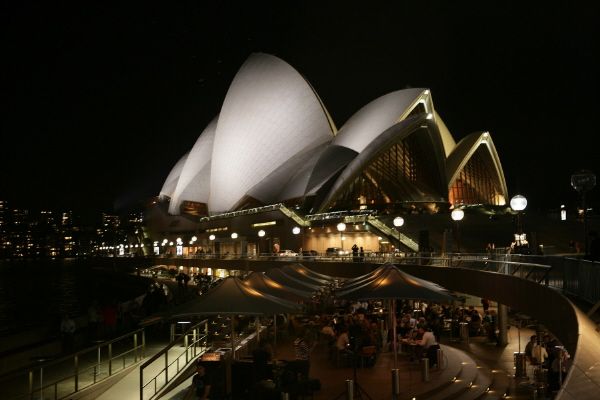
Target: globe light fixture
(211, 237)
(234, 235)
(398, 222)
(518, 203)
(457, 214)
(261, 233)
(295, 230)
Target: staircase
(391, 232)
(292, 214)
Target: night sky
(101, 100)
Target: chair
(367, 356)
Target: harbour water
(36, 293)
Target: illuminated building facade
(274, 143)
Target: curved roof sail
(377, 116)
(476, 164)
(194, 180)
(269, 115)
(171, 182)
(390, 181)
(274, 142)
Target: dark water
(36, 293)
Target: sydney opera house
(272, 170)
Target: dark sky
(101, 100)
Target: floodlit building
(274, 158)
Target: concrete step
(463, 382)
(441, 379)
(499, 388)
(479, 386)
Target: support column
(502, 325)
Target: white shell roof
(447, 139)
(290, 180)
(376, 117)
(463, 152)
(194, 180)
(171, 181)
(270, 114)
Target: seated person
(201, 383)
(428, 344)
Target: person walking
(354, 253)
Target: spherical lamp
(398, 222)
(457, 214)
(518, 203)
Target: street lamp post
(457, 215)
(212, 243)
(235, 236)
(261, 234)
(584, 181)
(398, 222)
(341, 227)
(296, 231)
(518, 203)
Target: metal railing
(250, 211)
(61, 378)
(165, 366)
(573, 276)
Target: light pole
(235, 236)
(518, 203)
(341, 227)
(212, 243)
(296, 231)
(584, 181)
(261, 234)
(457, 215)
(398, 222)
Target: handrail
(519, 269)
(249, 211)
(198, 345)
(84, 368)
